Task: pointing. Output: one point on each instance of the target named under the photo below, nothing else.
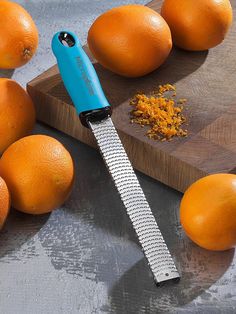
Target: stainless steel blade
(144, 223)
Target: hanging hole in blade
(66, 39)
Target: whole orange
(39, 173)
(208, 212)
(130, 40)
(4, 202)
(197, 24)
(17, 113)
(18, 33)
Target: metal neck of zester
(82, 83)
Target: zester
(83, 86)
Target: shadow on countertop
(19, 231)
(6, 73)
(136, 292)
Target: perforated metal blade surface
(144, 223)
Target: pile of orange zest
(166, 88)
(160, 112)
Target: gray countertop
(84, 257)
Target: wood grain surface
(207, 79)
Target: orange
(130, 40)
(197, 24)
(4, 202)
(39, 173)
(18, 33)
(17, 113)
(208, 212)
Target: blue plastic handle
(78, 75)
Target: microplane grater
(132, 195)
(83, 86)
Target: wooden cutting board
(206, 79)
